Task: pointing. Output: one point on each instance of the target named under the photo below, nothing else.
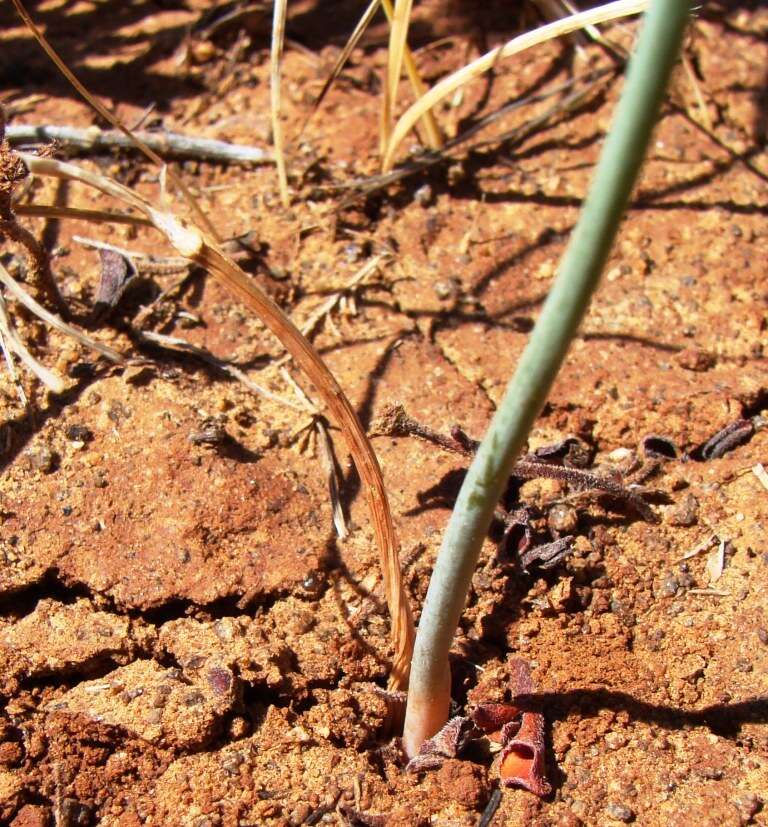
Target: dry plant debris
(168, 144)
(546, 462)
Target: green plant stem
(579, 273)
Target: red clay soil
(183, 638)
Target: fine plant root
(169, 144)
(329, 305)
(394, 421)
(178, 345)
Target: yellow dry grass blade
(108, 116)
(192, 243)
(433, 135)
(448, 85)
(276, 56)
(398, 36)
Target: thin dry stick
(171, 263)
(108, 116)
(700, 103)
(171, 144)
(760, 472)
(276, 54)
(308, 328)
(366, 186)
(192, 243)
(601, 14)
(229, 18)
(343, 57)
(326, 455)
(325, 448)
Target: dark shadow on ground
(725, 720)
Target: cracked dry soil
(184, 641)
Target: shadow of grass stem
(579, 274)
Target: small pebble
(695, 359)
(300, 814)
(161, 696)
(562, 519)
(353, 252)
(78, 433)
(749, 805)
(231, 763)
(238, 728)
(446, 289)
(42, 458)
(193, 698)
(620, 812)
(615, 740)
(669, 586)
(154, 716)
(685, 513)
(423, 195)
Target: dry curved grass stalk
(566, 25)
(194, 244)
(11, 342)
(434, 138)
